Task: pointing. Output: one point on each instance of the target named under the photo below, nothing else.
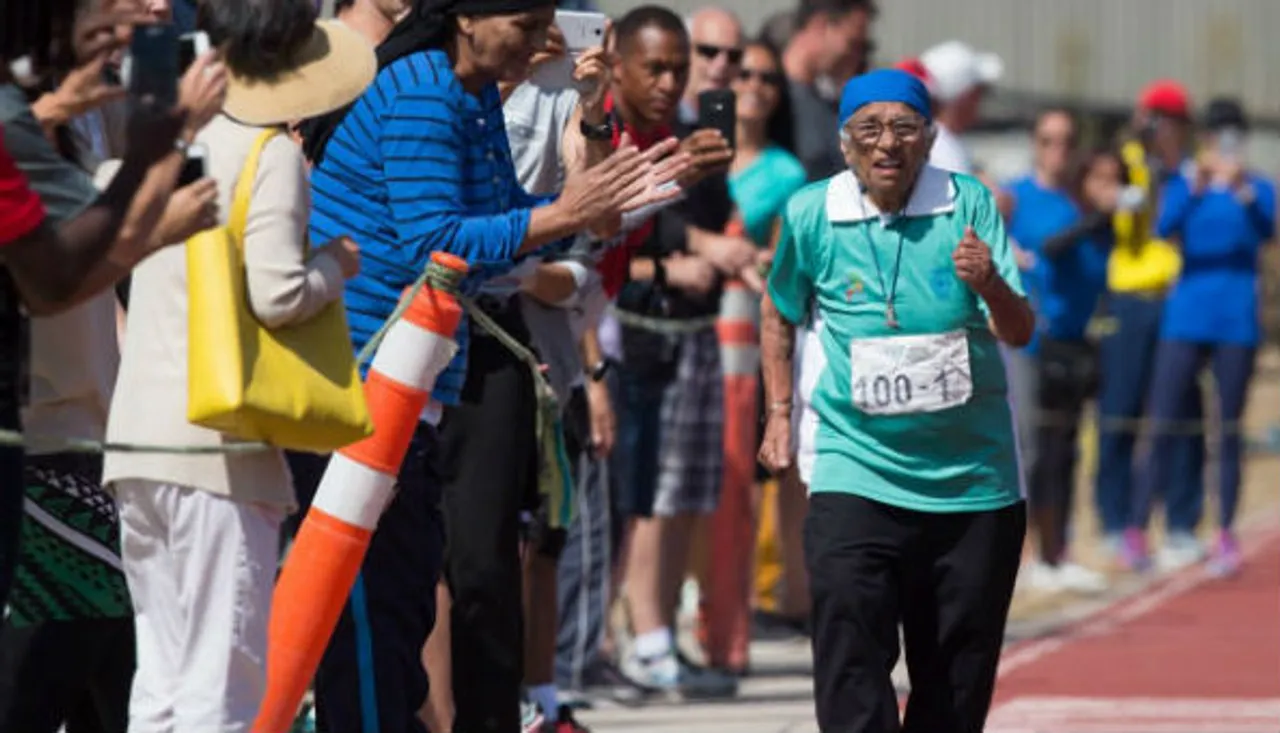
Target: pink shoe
(1134, 552)
(1226, 559)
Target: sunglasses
(772, 78)
(711, 52)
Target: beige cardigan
(285, 287)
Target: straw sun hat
(332, 70)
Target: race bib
(897, 375)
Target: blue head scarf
(884, 85)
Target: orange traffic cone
(357, 486)
(727, 603)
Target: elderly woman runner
(916, 515)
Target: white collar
(934, 194)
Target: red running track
(1189, 655)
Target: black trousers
(76, 673)
(489, 469)
(371, 678)
(947, 578)
(1067, 379)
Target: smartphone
(191, 46)
(718, 110)
(150, 68)
(1230, 143)
(581, 30)
(193, 168)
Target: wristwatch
(598, 372)
(600, 132)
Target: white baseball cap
(955, 68)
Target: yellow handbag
(295, 387)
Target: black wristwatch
(659, 273)
(598, 372)
(600, 132)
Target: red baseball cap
(914, 67)
(1166, 97)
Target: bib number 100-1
(895, 375)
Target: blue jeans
(1177, 365)
(639, 408)
(1128, 363)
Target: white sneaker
(1043, 577)
(1079, 579)
(665, 674)
(1179, 551)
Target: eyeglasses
(1059, 141)
(711, 52)
(772, 78)
(869, 132)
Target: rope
(435, 276)
(664, 326)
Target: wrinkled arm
(285, 286)
(777, 350)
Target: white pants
(200, 569)
(808, 363)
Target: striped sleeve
(423, 151)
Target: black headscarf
(427, 26)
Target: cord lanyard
(891, 292)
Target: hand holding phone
(581, 30)
(718, 110)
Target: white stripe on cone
(354, 493)
(413, 356)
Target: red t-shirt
(615, 267)
(20, 209)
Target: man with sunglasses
(716, 36)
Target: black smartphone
(193, 166)
(718, 110)
(152, 65)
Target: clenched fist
(973, 262)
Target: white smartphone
(191, 46)
(581, 30)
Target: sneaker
(1079, 579)
(665, 675)
(531, 719)
(565, 723)
(1181, 550)
(1134, 554)
(1043, 578)
(1226, 558)
(604, 680)
(713, 681)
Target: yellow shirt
(1139, 261)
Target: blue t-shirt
(761, 190)
(1064, 289)
(1216, 297)
(959, 458)
(1038, 213)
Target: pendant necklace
(891, 292)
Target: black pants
(947, 578)
(76, 673)
(371, 678)
(11, 497)
(1067, 379)
(489, 469)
